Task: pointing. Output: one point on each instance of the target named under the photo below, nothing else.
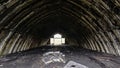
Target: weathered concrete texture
(33, 58)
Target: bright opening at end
(57, 40)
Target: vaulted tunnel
(90, 24)
(91, 29)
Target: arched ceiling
(92, 24)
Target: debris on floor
(59, 57)
(72, 64)
(51, 57)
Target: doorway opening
(57, 40)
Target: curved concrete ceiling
(91, 24)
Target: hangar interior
(85, 24)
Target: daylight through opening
(57, 40)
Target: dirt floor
(59, 57)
